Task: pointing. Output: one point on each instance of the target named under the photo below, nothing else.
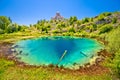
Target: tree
(101, 17)
(72, 19)
(114, 20)
(4, 22)
(1, 31)
(10, 19)
(85, 20)
(106, 14)
(94, 26)
(12, 28)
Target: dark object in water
(18, 58)
(20, 52)
(26, 54)
(15, 46)
(62, 56)
(83, 54)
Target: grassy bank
(10, 71)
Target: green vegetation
(105, 27)
(114, 48)
(6, 26)
(8, 71)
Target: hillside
(91, 27)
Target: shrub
(85, 20)
(71, 30)
(55, 31)
(1, 31)
(114, 20)
(105, 28)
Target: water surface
(50, 50)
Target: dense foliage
(114, 48)
(6, 26)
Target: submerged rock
(68, 52)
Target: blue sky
(29, 11)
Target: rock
(57, 17)
(87, 64)
(50, 65)
(99, 59)
(11, 57)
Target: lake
(65, 51)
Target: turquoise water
(50, 50)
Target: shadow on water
(64, 45)
(55, 50)
(83, 54)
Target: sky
(30, 11)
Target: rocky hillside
(58, 25)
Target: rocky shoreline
(94, 68)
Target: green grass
(9, 71)
(13, 37)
